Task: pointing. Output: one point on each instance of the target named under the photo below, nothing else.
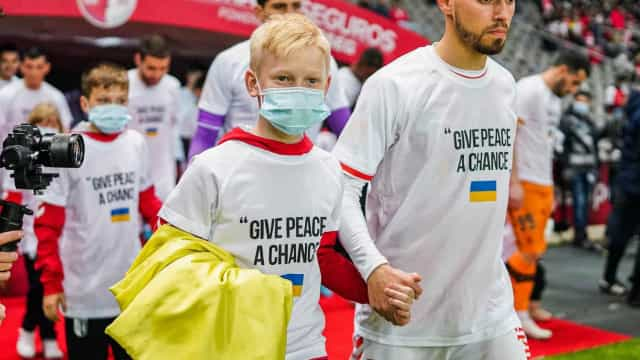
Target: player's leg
(511, 346)
(366, 349)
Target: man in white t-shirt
(539, 109)
(224, 103)
(154, 104)
(352, 77)
(250, 194)
(20, 97)
(433, 132)
(9, 64)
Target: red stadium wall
(349, 28)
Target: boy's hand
(384, 277)
(50, 305)
(401, 298)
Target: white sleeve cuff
(183, 223)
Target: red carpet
(568, 336)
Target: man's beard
(558, 88)
(475, 40)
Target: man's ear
(84, 104)
(446, 6)
(259, 12)
(137, 59)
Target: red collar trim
(471, 77)
(300, 148)
(100, 136)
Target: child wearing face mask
(87, 223)
(266, 194)
(47, 118)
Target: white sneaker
(533, 331)
(51, 349)
(26, 345)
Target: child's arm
(48, 228)
(338, 273)
(149, 205)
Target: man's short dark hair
(8, 47)
(372, 57)
(35, 53)
(574, 60)
(154, 45)
(261, 2)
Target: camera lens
(65, 151)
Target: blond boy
(267, 194)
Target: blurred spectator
(9, 64)
(623, 223)
(188, 113)
(352, 77)
(19, 98)
(615, 96)
(381, 8)
(579, 162)
(397, 13)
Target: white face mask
(47, 130)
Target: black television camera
(25, 151)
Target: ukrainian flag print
(120, 215)
(296, 281)
(483, 191)
(151, 132)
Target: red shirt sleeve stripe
(351, 171)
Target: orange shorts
(529, 221)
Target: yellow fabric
(185, 298)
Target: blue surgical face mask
(293, 110)
(110, 118)
(581, 108)
(44, 130)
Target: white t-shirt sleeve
(336, 98)
(216, 92)
(371, 130)
(58, 191)
(192, 205)
(528, 103)
(4, 107)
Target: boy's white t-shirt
(154, 111)
(255, 202)
(437, 143)
(100, 236)
(540, 109)
(17, 101)
(224, 92)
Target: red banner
(349, 28)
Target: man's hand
(387, 278)
(516, 195)
(51, 303)
(2, 313)
(401, 297)
(8, 258)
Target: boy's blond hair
(285, 34)
(44, 111)
(104, 75)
